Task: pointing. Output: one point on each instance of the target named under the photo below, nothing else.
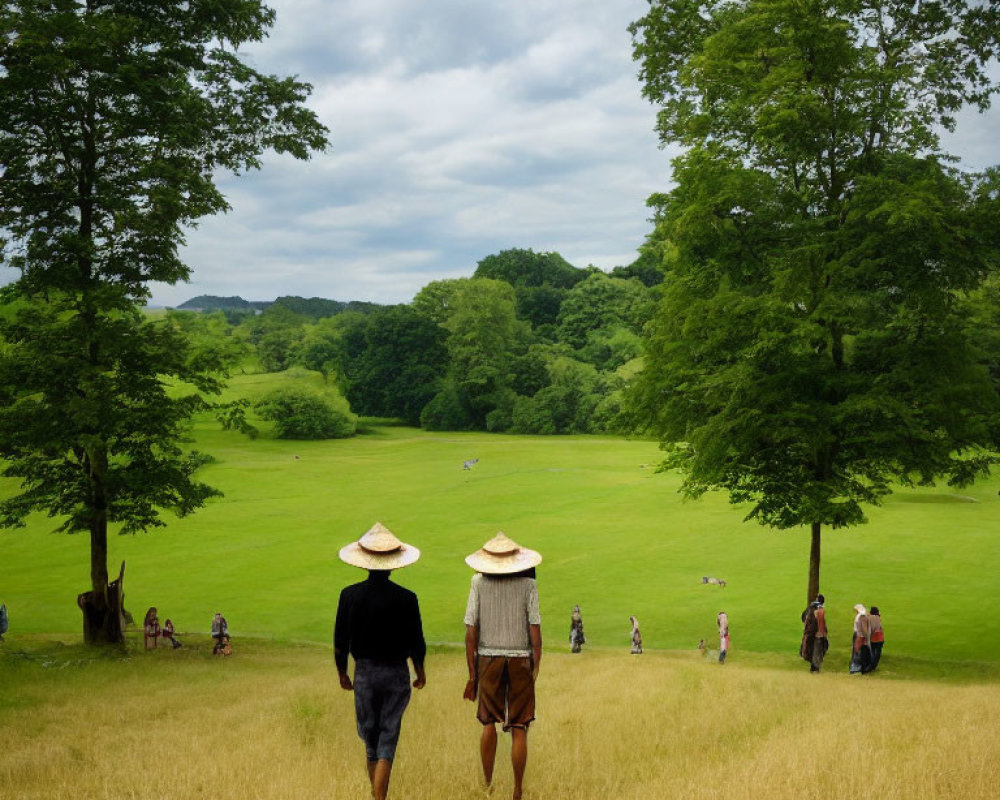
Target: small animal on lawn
(470, 463)
(715, 581)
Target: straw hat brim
(355, 555)
(490, 564)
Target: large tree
(810, 350)
(115, 118)
(401, 367)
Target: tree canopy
(810, 348)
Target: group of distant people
(577, 639)
(153, 632)
(867, 637)
(378, 624)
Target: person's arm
(535, 633)
(418, 651)
(471, 646)
(534, 620)
(342, 643)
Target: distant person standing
(636, 636)
(815, 639)
(4, 621)
(220, 633)
(378, 623)
(503, 648)
(877, 635)
(723, 623)
(151, 629)
(576, 637)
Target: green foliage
(447, 410)
(108, 449)
(608, 348)
(520, 267)
(298, 413)
(484, 338)
(436, 300)
(646, 268)
(400, 368)
(209, 335)
(566, 405)
(600, 302)
(208, 302)
(319, 308)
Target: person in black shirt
(378, 623)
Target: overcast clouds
(458, 128)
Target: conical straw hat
(501, 555)
(379, 549)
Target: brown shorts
(506, 691)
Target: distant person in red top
(877, 634)
(151, 628)
(815, 640)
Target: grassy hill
(616, 537)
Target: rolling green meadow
(617, 539)
(616, 536)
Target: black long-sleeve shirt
(380, 620)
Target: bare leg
(518, 757)
(488, 751)
(380, 778)
(371, 775)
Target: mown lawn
(616, 537)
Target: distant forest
(528, 344)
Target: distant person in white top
(723, 622)
(503, 648)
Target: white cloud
(458, 129)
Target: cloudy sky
(458, 128)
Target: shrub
(300, 414)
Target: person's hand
(471, 689)
(420, 681)
(534, 673)
(345, 682)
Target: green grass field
(615, 535)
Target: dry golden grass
(271, 722)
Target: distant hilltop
(315, 307)
(209, 302)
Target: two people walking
(378, 624)
(867, 637)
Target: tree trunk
(814, 564)
(104, 614)
(102, 607)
